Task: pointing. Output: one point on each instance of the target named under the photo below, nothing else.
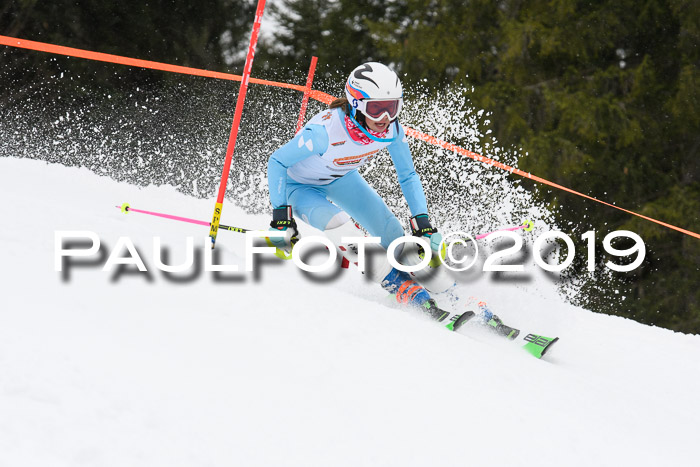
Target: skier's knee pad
(336, 229)
(321, 215)
(338, 220)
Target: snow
(102, 368)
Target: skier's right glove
(282, 220)
(421, 227)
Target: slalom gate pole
(236, 123)
(125, 208)
(149, 64)
(307, 91)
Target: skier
(314, 177)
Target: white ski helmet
(374, 90)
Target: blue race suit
(316, 173)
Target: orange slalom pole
(307, 91)
(135, 62)
(478, 157)
(236, 122)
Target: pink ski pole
(527, 226)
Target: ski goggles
(376, 110)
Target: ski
(457, 321)
(454, 320)
(537, 345)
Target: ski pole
(527, 226)
(125, 208)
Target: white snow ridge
(274, 368)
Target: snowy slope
(140, 369)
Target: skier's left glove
(282, 220)
(420, 227)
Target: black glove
(420, 227)
(282, 220)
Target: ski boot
(501, 329)
(495, 324)
(409, 292)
